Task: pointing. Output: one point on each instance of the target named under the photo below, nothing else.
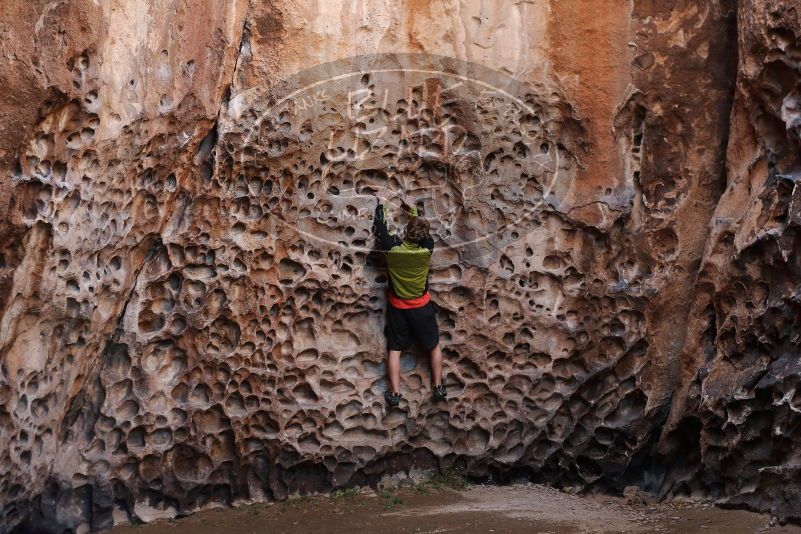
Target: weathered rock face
(192, 311)
(738, 401)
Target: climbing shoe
(440, 393)
(393, 399)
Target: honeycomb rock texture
(192, 309)
(738, 401)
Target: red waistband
(408, 304)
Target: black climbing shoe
(440, 393)
(393, 399)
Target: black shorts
(407, 326)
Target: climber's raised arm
(385, 239)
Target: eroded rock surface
(192, 311)
(738, 400)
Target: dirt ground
(435, 508)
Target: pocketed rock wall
(192, 311)
(738, 400)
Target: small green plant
(449, 478)
(256, 508)
(389, 499)
(293, 502)
(344, 493)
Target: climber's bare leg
(436, 365)
(393, 370)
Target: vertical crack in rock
(243, 55)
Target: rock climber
(411, 315)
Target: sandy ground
(424, 509)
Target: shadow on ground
(438, 508)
